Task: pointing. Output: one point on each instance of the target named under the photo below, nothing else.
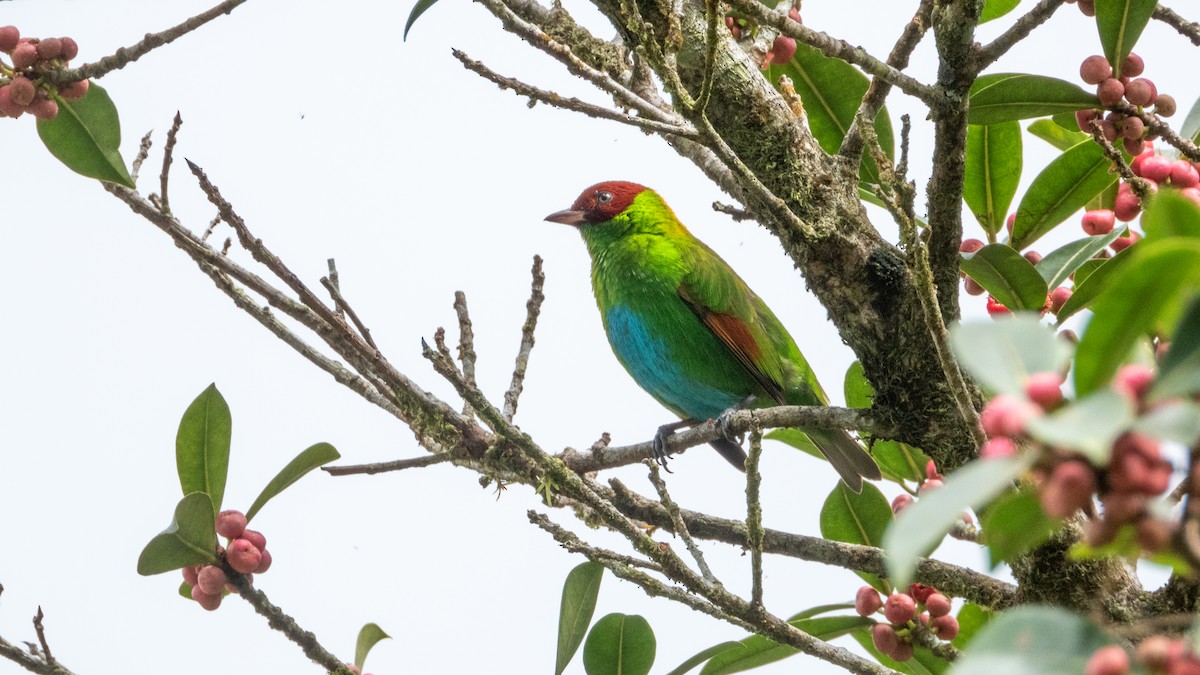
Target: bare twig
(466, 343)
(1140, 186)
(142, 154)
(29, 662)
(333, 285)
(533, 309)
(1188, 29)
(1041, 12)
(164, 203)
(734, 212)
(754, 526)
(384, 467)
(41, 636)
(680, 527)
(1163, 130)
(280, 621)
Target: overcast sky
(335, 139)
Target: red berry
(9, 37)
(945, 627)
(1058, 298)
(1007, 415)
(972, 287)
(900, 608)
(1133, 66)
(1008, 223)
(1136, 164)
(1156, 168)
(1084, 119)
(70, 48)
(206, 600)
(1000, 446)
(211, 580)
(1141, 92)
(1154, 651)
(970, 245)
(1164, 105)
(1095, 69)
(24, 55)
(931, 471)
(1121, 243)
(22, 91)
(996, 308)
(902, 652)
(784, 49)
(1110, 92)
(265, 564)
(231, 524)
(930, 484)
(1110, 660)
(921, 592)
(1033, 257)
(256, 538)
(190, 574)
(1133, 380)
(7, 107)
(1134, 146)
(49, 48)
(74, 90)
(1133, 128)
(1068, 489)
(1045, 389)
(901, 501)
(938, 605)
(1087, 7)
(867, 601)
(44, 108)
(243, 556)
(1126, 206)
(1183, 174)
(884, 637)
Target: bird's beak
(567, 217)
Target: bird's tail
(847, 456)
(732, 452)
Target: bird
(686, 327)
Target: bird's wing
(727, 306)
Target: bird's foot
(662, 441)
(725, 419)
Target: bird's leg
(662, 439)
(725, 419)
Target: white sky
(334, 139)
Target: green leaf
(1002, 354)
(1007, 275)
(313, 457)
(690, 665)
(1120, 23)
(619, 644)
(993, 168)
(923, 661)
(1089, 425)
(1171, 215)
(797, 439)
(859, 392)
(831, 91)
(919, 528)
(1179, 372)
(368, 636)
(1015, 524)
(855, 518)
(757, 650)
(1066, 185)
(417, 10)
(1093, 284)
(971, 619)
(579, 594)
(900, 460)
(1148, 291)
(190, 539)
(1032, 639)
(1061, 263)
(202, 445)
(994, 9)
(185, 590)
(1191, 124)
(1004, 97)
(1174, 421)
(86, 136)
(1054, 134)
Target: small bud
(73, 91)
(900, 608)
(1007, 415)
(231, 524)
(931, 471)
(1133, 381)
(1010, 221)
(243, 556)
(211, 580)
(1110, 660)
(22, 91)
(867, 601)
(1058, 298)
(1068, 489)
(938, 605)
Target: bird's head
(598, 204)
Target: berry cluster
(22, 89)
(1114, 87)
(921, 608)
(781, 51)
(1157, 653)
(246, 553)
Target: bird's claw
(725, 420)
(662, 440)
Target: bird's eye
(603, 197)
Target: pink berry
(1183, 174)
(867, 601)
(256, 538)
(1121, 243)
(73, 91)
(24, 55)
(1133, 380)
(1084, 119)
(1154, 652)
(22, 91)
(902, 652)
(1000, 446)
(972, 287)
(1087, 7)
(930, 484)
(190, 574)
(352, 668)
(1136, 164)
(243, 556)
(9, 37)
(1095, 69)
(70, 48)
(207, 601)
(1007, 415)
(211, 580)
(1126, 206)
(1109, 129)
(794, 15)
(784, 49)
(1164, 105)
(1110, 92)
(970, 245)
(1133, 128)
(1133, 66)
(265, 564)
(1068, 489)
(44, 108)
(1141, 92)
(945, 627)
(1156, 168)
(1058, 298)
(1133, 146)
(1045, 389)
(1191, 193)
(231, 524)
(921, 592)
(900, 608)
(7, 107)
(901, 501)
(931, 471)
(49, 48)
(884, 637)
(1033, 257)
(1110, 660)
(937, 605)
(1010, 221)
(996, 308)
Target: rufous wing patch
(736, 336)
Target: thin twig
(29, 662)
(142, 154)
(466, 343)
(533, 309)
(164, 203)
(384, 467)
(754, 526)
(280, 621)
(1188, 29)
(333, 285)
(660, 486)
(1041, 12)
(41, 636)
(738, 215)
(1161, 129)
(1140, 186)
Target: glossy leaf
(900, 460)
(185, 591)
(1093, 284)
(86, 136)
(857, 518)
(797, 439)
(1061, 263)
(1002, 354)
(1150, 289)
(1007, 275)
(1120, 23)
(417, 10)
(1005, 97)
(858, 390)
(971, 619)
(1054, 134)
(831, 91)
(619, 644)
(1174, 421)
(202, 445)
(1088, 425)
(1171, 214)
(1191, 124)
(368, 636)
(1032, 639)
(579, 594)
(993, 168)
(699, 658)
(994, 9)
(190, 539)
(1179, 372)
(1066, 185)
(757, 650)
(311, 458)
(919, 528)
(1015, 524)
